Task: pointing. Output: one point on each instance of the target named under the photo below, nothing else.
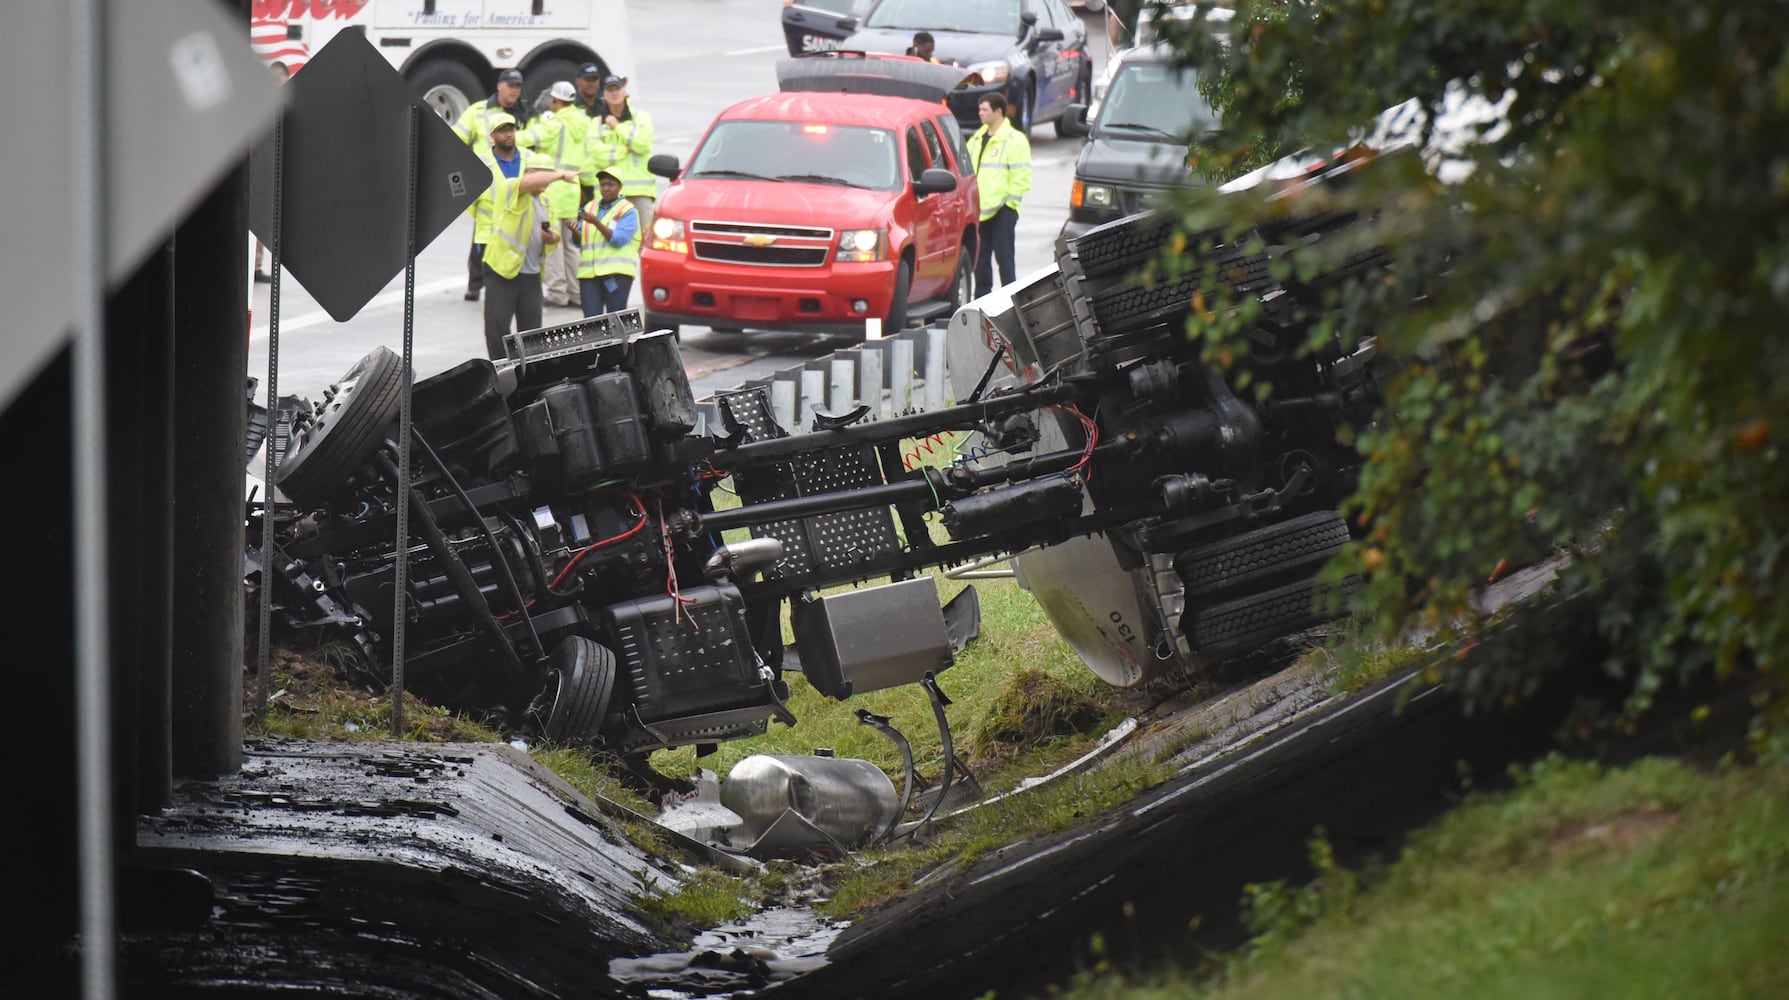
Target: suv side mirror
(847, 24)
(1074, 120)
(1050, 35)
(934, 180)
(664, 165)
(1027, 21)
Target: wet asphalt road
(692, 58)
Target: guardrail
(900, 374)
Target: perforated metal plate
(563, 339)
(812, 546)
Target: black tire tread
(313, 474)
(585, 685)
(1241, 625)
(1290, 548)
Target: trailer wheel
(1265, 555)
(446, 86)
(1116, 246)
(344, 431)
(1240, 625)
(583, 675)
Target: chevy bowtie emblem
(759, 240)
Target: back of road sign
(346, 155)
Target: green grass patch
(706, 897)
(1654, 880)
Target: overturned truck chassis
(578, 570)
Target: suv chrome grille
(760, 244)
(760, 229)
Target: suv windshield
(847, 155)
(1156, 100)
(994, 17)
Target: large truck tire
(1270, 554)
(583, 672)
(1246, 623)
(345, 430)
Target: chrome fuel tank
(791, 802)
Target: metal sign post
(93, 640)
(402, 572)
(264, 651)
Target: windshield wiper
(733, 173)
(816, 178)
(1140, 127)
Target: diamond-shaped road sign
(347, 162)
(184, 98)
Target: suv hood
(957, 47)
(788, 203)
(1113, 158)
(852, 74)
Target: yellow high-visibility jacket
(621, 151)
(1002, 167)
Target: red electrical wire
(923, 448)
(1090, 429)
(605, 542)
(586, 550)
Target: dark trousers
(995, 245)
(516, 298)
(475, 269)
(597, 296)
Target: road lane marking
(753, 52)
(320, 317)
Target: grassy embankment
(1654, 880)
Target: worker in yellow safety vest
(521, 231)
(558, 134)
(1002, 157)
(610, 257)
(474, 129)
(620, 141)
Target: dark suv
(1034, 52)
(1137, 139)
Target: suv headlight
(861, 246)
(1091, 196)
(992, 72)
(667, 234)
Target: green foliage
(1583, 334)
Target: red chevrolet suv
(847, 196)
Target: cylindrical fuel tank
(849, 800)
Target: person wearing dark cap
(620, 141)
(590, 89)
(923, 44)
(474, 129)
(609, 258)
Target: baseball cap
(614, 81)
(500, 119)
(563, 91)
(590, 69)
(510, 76)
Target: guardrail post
(934, 388)
(782, 402)
(813, 395)
(869, 380)
(842, 394)
(900, 375)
